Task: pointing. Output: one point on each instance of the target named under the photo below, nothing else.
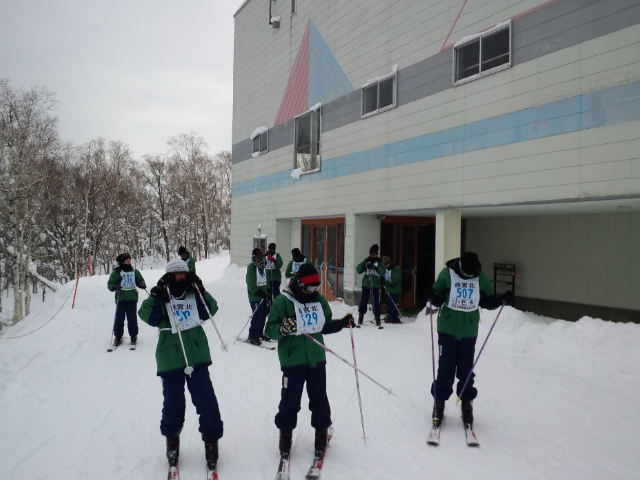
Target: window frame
(378, 81)
(479, 38)
(260, 136)
(316, 126)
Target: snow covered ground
(558, 400)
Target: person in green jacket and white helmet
(182, 355)
(301, 308)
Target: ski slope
(557, 399)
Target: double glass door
(323, 244)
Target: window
(259, 141)
(482, 54)
(379, 95)
(307, 142)
(293, 7)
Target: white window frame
(260, 136)
(478, 38)
(316, 114)
(394, 103)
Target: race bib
(261, 278)
(387, 275)
(185, 316)
(309, 316)
(464, 295)
(128, 281)
(271, 264)
(295, 266)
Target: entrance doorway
(411, 243)
(323, 244)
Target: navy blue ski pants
(364, 299)
(293, 381)
(259, 317)
(392, 300)
(127, 308)
(202, 396)
(455, 359)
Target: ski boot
(285, 442)
(255, 341)
(321, 441)
(173, 450)
(211, 454)
(117, 341)
(467, 413)
(360, 318)
(438, 414)
(134, 339)
(377, 318)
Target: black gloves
(435, 299)
(159, 292)
(347, 321)
(264, 294)
(289, 326)
(507, 297)
(196, 281)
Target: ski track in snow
(557, 399)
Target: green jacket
(115, 279)
(289, 271)
(274, 274)
(297, 349)
(394, 284)
(373, 280)
(191, 264)
(253, 290)
(456, 323)
(169, 354)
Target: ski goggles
(311, 288)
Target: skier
(123, 280)
(460, 290)
(186, 256)
(259, 296)
(179, 320)
(373, 270)
(297, 259)
(392, 284)
(301, 308)
(273, 266)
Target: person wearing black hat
(459, 291)
(123, 280)
(299, 309)
(186, 256)
(297, 259)
(373, 270)
(273, 266)
(259, 297)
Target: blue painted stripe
(591, 110)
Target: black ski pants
(455, 359)
(127, 308)
(375, 302)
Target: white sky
(138, 71)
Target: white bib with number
(185, 315)
(271, 264)
(295, 266)
(373, 271)
(387, 276)
(464, 295)
(128, 281)
(309, 316)
(261, 278)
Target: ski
(318, 461)
(261, 346)
(133, 346)
(174, 474)
(434, 437)
(470, 435)
(283, 467)
(113, 346)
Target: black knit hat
(470, 264)
(122, 257)
(308, 275)
(374, 248)
(272, 246)
(296, 252)
(183, 251)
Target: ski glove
(289, 326)
(160, 293)
(347, 321)
(196, 281)
(507, 297)
(435, 299)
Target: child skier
(182, 347)
(123, 280)
(303, 309)
(460, 290)
(373, 269)
(297, 259)
(273, 266)
(259, 296)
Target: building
(506, 127)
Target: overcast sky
(138, 71)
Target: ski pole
(464, 385)
(322, 345)
(355, 364)
(224, 345)
(433, 355)
(188, 369)
(247, 322)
